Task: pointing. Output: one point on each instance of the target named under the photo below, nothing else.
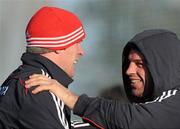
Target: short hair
(38, 50)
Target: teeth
(75, 61)
(135, 81)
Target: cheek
(142, 74)
(144, 77)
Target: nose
(131, 69)
(80, 50)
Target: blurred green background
(109, 24)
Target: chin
(71, 75)
(137, 94)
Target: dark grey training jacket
(20, 109)
(161, 50)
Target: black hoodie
(161, 103)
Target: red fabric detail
(23, 83)
(92, 122)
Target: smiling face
(136, 73)
(70, 56)
(67, 58)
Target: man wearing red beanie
(54, 37)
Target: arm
(36, 110)
(60, 91)
(113, 114)
(68, 97)
(71, 100)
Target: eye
(139, 64)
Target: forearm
(67, 96)
(102, 113)
(45, 83)
(88, 108)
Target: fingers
(42, 83)
(39, 89)
(37, 79)
(40, 76)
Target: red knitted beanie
(54, 28)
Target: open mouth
(75, 62)
(135, 81)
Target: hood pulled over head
(161, 52)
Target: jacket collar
(38, 61)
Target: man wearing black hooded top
(151, 76)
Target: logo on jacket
(3, 90)
(165, 95)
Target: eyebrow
(138, 60)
